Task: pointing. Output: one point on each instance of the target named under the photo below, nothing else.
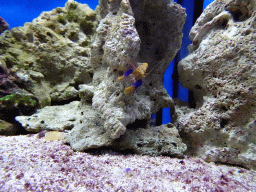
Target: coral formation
(3, 25)
(142, 38)
(131, 32)
(51, 54)
(220, 71)
(55, 118)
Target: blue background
(174, 88)
(17, 12)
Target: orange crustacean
(139, 73)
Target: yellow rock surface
(54, 135)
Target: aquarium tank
(128, 95)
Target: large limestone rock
(128, 32)
(83, 129)
(84, 122)
(158, 140)
(56, 118)
(221, 72)
(50, 55)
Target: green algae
(18, 101)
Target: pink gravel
(29, 163)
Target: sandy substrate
(28, 163)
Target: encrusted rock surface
(57, 118)
(87, 131)
(3, 25)
(158, 140)
(29, 163)
(221, 72)
(13, 99)
(85, 124)
(51, 54)
(130, 32)
(8, 82)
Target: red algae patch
(29, 163)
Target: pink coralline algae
(6, 82)
(3, 25)
(29, 163)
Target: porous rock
(8, 80)
(130, 32)
(220, 70)
(87, 131)
(158, 140)
(7, 128)
(13, 100)
(3, 25)
(84, 123)
(51, 54)
(56, 118)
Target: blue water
(17, 12)
(182, 93)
